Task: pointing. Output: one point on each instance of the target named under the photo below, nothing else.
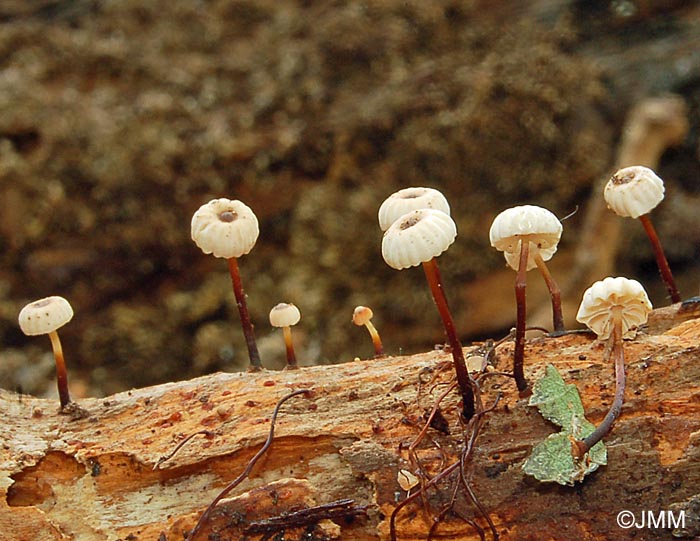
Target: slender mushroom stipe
(555, 294)
(661, 261)
(634, 192)
(246, 323)
(521, 321)
(419, 237)
(612, 308)
(618, 354)
(229, 229)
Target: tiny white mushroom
(46, 316)
(408, 199)
(613, 298)
(612, 308)
(634, 192)
(229, 229)
(416, 238)
(285, 316)
(540, 227)
(362, 316)
(528, 236)
(225, 228)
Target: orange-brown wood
(94, 478)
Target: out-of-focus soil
(118, 119)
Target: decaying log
(94, 478)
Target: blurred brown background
(118, 119)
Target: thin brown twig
(238, 480)
(466, 454)
(412, 453)
(171, 454)
(449, 508)
(471, 522)
(426, 425)
(306, 517)
(474, 421)
(409, 499)
(471, 431)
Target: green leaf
(553, 459)
(557, 401)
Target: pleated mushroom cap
(604, 297)
(45, 315)
(408, 199)
(536, 224)
(284, 315)
(416, 237)
(634, 191)
(225, 228)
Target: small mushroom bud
(416, 238)
(408, 199)
(228, 229)
(46, 316)
(362, 316)
(528, 236)
(286, 315)
(612, 308)
(634, 192)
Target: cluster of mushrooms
(417, 229)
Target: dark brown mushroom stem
(61, 371)
(661, 260)
(291, 357)
(521, 305)
(554, 292)
(464, 380)
(253, 354)
(606, 425)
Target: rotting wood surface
(93, 479)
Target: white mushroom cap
(284, 315)
(633, 191)
(417, 237)
(361, 315)
(604, 297)
(408, 199)
(225, 228)
(536, 224)
(45, 315)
